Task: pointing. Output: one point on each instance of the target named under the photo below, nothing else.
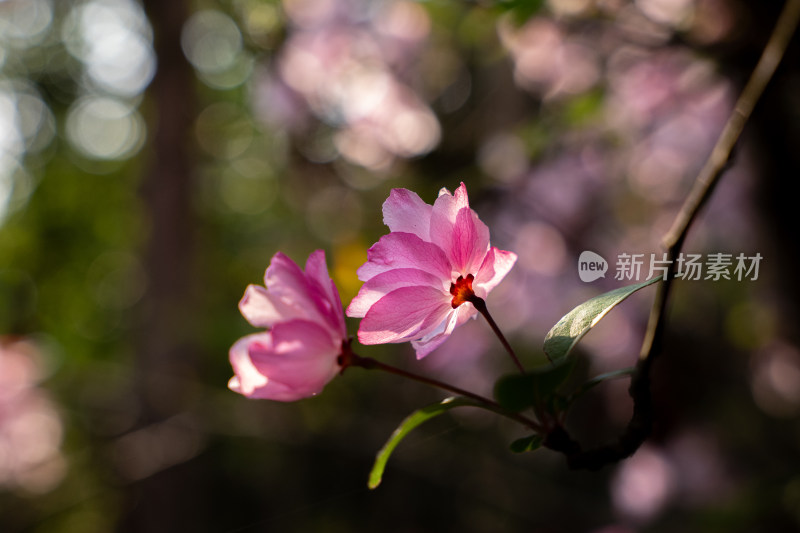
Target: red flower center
(462, 290)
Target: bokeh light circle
(114, 41)
(25, 23)
(211, 41)
(105, 128)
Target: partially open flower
(297, 357)
(420, 277)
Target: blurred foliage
(576, 124)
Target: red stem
(348, 358)
(480, 305)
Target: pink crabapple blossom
(419, 278)
(298, 356)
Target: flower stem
(480, 305)
(348, 358)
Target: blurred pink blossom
(419, 277)
(30, 427)
(297, 357)
(547, 60)
(349, 64)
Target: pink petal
(318, 277)
(448, 205)
(404, 211)
(461, 234)
(286, 281)
(384, 283)
(404, 250)
(461, 196)
(293, 361)
(494, 268)
(262, 310)
(424, 347)
(317, 273)
(303, 356)
(404, 314)
(247, 379)
(470, 240)
(430, 342)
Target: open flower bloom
(419, 278)
(298, 355)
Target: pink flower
(419, 278)
(297, 357)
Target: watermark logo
(632, 267)
(591, 266)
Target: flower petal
(433, 340)
(494, 268)
(331, 305)
(470, 241)
(458, 231)
(404, 250)
(286, 281)
(303, 356)
(404, 211)
(404, 314)
(293, 361)
(262, 310)
(247, 378)
(384, 283)
(448, 205)
(425, 346)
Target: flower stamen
(462, 290)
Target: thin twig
(348, 359)
(719, 159)
(641, 422)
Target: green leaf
(563, 337)
(517, 392)
(409, 423)
(527, 444)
